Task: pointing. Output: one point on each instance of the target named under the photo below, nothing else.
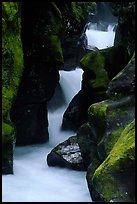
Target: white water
(33, 179)
(100, 39)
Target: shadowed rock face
(101, 66)
(41, 34)
(45, 29)
(107, 141)
(66, 154)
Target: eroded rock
(66, 154)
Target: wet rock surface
(66, 154)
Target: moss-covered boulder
(12, 69)
(99, 68)
(114, 179)
(107, 121)
(66, 154)
(108, 118)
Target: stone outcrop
(41, 37)
(66, 154)
(12, 70)
(114, 179)
(107, 141)
(99, 68)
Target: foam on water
(100, 39)
(33, 179)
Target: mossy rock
(109, 118)
(114, 179)
(55, 50)
(95, 62)
(97, 116)
(12, 68)
(124, 81)
(80, 9)
(103, 66)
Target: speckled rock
(66, 154)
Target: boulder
(75, 115)
(114, 179)
(66, 154)
(99, 68)
(107, 141)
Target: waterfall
(70, 84)
(33, 179)
(98, 38)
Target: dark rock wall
(106, 145)
(41, 34)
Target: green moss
(113, 139)
(77, 11)
(125, 143)
(10, 9)
(12, 69)
(81, 9)
(120, 159)
(55, 49)
(95, 61)
(7, 133)
(98, 110)
(112, 114)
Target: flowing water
(33, 179)
(100, 39)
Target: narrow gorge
(68, 102)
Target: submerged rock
(66, 154)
